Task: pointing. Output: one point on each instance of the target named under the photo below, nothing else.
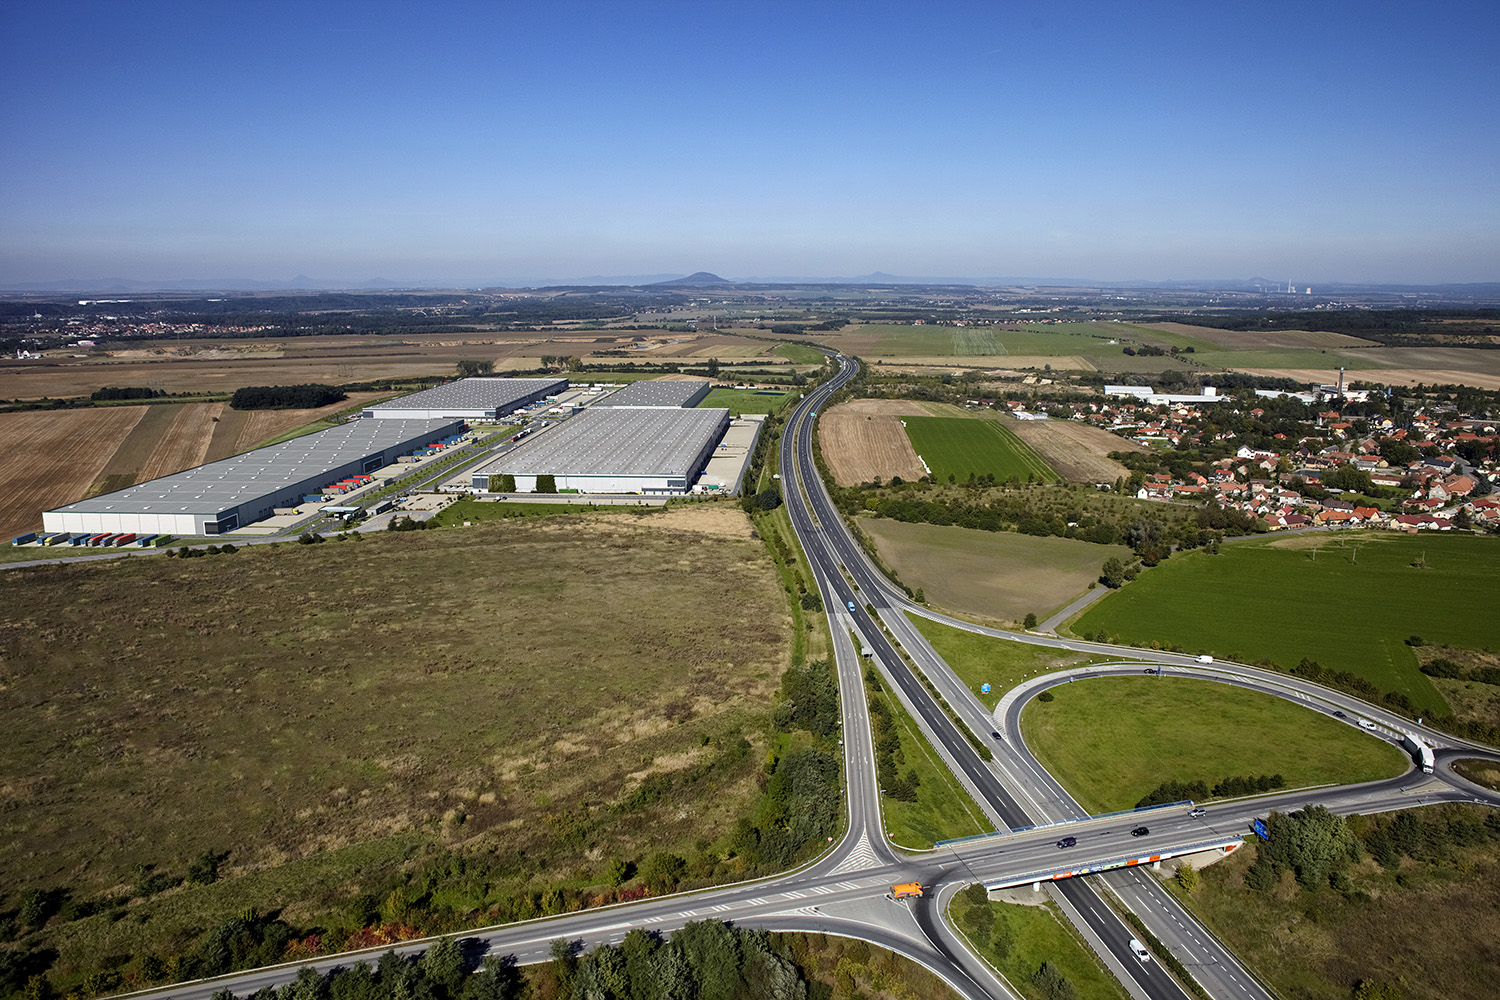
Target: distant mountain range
(706, 279)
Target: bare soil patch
(51, 457)
(1078, 452)
(184, 442)
(864, 439)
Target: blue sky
(484, 141)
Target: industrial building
(469, 399)
(629, 449)
(659, 392)
(222, 496)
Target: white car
(1366, 724)
(1139, 951)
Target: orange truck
(906, 890)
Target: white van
(1139, 951)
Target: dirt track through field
(1078, 452)
(864, 439)
(51, 457)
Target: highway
(846, 890)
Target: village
(1340, 469)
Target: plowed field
(864, 439)
(51, 457)
(1078, 452)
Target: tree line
(285, 397)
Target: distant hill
(698, 279)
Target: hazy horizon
(176, 142)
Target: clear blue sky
(1328, 141)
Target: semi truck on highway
(1420, 752)
(906, 890)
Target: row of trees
(889, 755)
(285, 397)
(1229, 788)
(705, 960)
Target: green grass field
(958, 447)
(798, 354)
(983, 659)
(1347, 601)
(740, 401)
(943, 810)
(1017, 939)
(998, 575)
(1111, 740)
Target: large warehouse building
(659, 392)
(469, 399)
(224, 495)
(627, 449)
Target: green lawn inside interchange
(985, 659)
(1348, 601)
(959, 447)
(1016, 939)
(943, 809)
(1111, 740)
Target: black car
(1339, 715)
(1139, 831)
(997, 736)
(1067, 842)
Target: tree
(443, 965)
(546, 483)
(769, 498)
(468, 367)
(1053, 984)
(1373, 989)
(564, 965)
(1030, 622)
(663, 870)
(502, 483)
(1113, 574)
(713, 367)
(1187, 877)
(497, 979)
(1313, 843)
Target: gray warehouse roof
(617, 442)
(218, 486)
(658, 392)
(477, 394)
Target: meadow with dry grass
(534, 700)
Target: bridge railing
(1061, 822)
(1057, 872)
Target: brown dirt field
(1260, 340)
(1078, 452)
(184, 443)
(1382, 376)
(226, 434)
(51, 457)
(124, 466)
(263, 425)
(864, 439)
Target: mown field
(963, 447)
(984, 659)
(1348, 601)
(534, 701)
(740, 401)
(999, 575)
(1111, 740)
